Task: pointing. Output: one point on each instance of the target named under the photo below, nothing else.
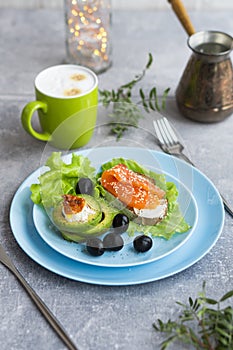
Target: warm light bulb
(74, 13)
(96, 52)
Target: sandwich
(135, 194)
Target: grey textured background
(99, 317)
(122, 4)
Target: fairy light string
(88, 32)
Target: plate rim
(100, 280)
(97, 262)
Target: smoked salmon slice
(133, 189)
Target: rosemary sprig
(213, 325)
(125, 112)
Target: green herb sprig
(213, 324)
(125, 112)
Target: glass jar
(88, 33)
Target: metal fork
(54, 323)
(169, 143)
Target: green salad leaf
(173, 223)
(61, 178)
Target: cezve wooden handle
(182, 15)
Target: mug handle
(26, 119)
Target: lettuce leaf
(173, 223)
(60, 179)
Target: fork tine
(166, 132)
(170, 130)
(163, 132)
(158, 133)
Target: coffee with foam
(66, 81)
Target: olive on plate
(142, 243)
(95, 246)
(113, 242)
(84, 186)
(120, 223)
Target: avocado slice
(77, 226)
(72, 237)
(104, 225)
(108, 214)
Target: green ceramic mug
(66, 102)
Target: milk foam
(66, 81)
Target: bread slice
(151, 216)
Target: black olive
(113, 241)
(142, 243)
(95, 246)
(84, 186)
(120, 223)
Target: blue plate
(206, 232)
(127, 256)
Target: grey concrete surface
(124, 5)
(99, 317)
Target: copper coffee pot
(205, 90)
